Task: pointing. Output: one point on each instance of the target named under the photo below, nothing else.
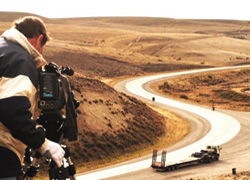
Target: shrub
(183, 96)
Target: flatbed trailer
(212, 153)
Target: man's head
(34, 30)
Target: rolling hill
(112, 124)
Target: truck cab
(215, 149)
(211, 153)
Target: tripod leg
(33, 168)
(72, 170)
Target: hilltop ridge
(106, 49)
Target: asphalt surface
(232, 133)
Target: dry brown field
(106, 49)
(224, 89)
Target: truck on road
(211, 153)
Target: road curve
(223, 128)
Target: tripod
(55, 125)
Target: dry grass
(245, 175)
(177, 127)
(114, 47)
(227, 89)
(98, 47)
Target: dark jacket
(18, 87)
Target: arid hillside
(99, 47)
(225, 90)
(112, 124)
(142, 45)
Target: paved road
(209, 127)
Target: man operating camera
(21, 47)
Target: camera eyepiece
(53, 67)
(67, 71)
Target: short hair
(31, 26)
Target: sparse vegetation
(224, 90)
(112, 124)
(239, 176)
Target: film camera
(58, 116)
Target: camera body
(51, 89)
(56, 95)
(51, 95)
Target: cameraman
(20, 59)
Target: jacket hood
(16, 36)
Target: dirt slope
(111, 122)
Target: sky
(177, 9)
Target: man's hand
(52, 150)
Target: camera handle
(66, 171)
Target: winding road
(227, 128)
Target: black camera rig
(58, 116)
(55, 94)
